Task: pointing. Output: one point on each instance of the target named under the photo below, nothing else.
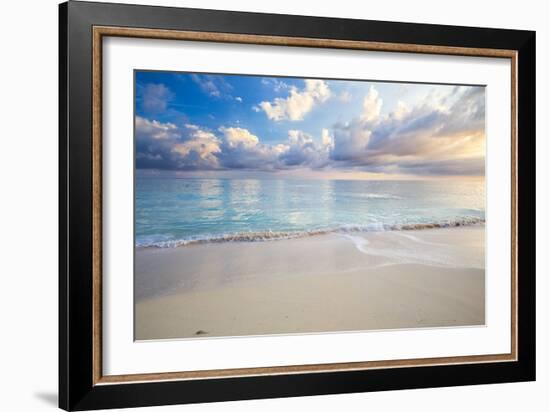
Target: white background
(28, 173)
(124, 356)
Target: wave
(263, 236)
(379, 196)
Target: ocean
(173, 212)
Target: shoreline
(324, 283)
(269, 235)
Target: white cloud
(236, 136)
(350, 140)
(402, 111)
(441, 135)
(299, 138)
(155, 130)
(326, 138)
(372, 105)
(444, 134)
(242, 150)
(239, 99)
(298, 103)
(199, 149)
(166, 146)
(302, 151)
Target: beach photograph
(284, 205)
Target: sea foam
(263, 236)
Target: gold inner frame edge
(102, 31)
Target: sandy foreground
(386, 280)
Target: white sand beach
(324, 283)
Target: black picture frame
(77, 390)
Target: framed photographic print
(256, 205)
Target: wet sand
(324, 283)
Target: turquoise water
(177, 211)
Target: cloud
(154, 130)
(302, 151)
(198, 150)
(372, 104)
(236, 136)
(190, 147)
(327, 139)
(154, 97)
(239, 99)
(212, 85)
(166, 146)
(443, 135)
(242, 150)
(450, 167)
(276, 84)
(298, 103)
(401, 112)
(350, 141)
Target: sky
(240, 125)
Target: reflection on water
(244, 198)
(210, 200)
(172, 208)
